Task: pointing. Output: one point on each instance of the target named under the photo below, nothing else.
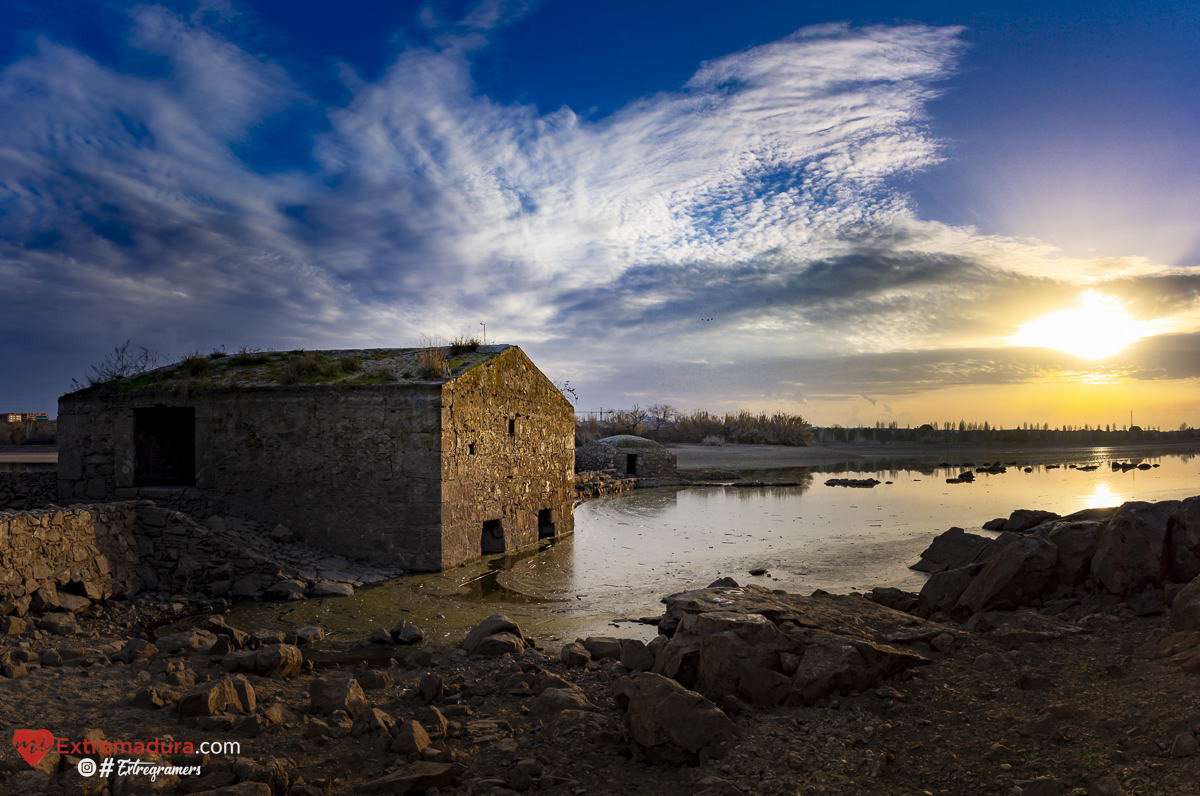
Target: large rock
(1183, 541)
(778, 653)
(941, 592)
(282, 659)
(1020, 573)
(555, 700)
(951, 549)
(410, 738)
(832, 664)
(1076, 545)
(185, 640)
(1185, 610)
(337, 693)
(1023, 520)
(495, 635)
(600, 647)
(209, 700)
(635, 655)
(1132, 551)
(668, 724)
(740, 656)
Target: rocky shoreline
(1013, 687)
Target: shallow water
(629, 550)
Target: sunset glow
(1096, 329)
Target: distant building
(627, 456)
(375, 454)
(21, 417)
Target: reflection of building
(628, 456)
(360, 452)
(21, 417)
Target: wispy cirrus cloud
(759, 194)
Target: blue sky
(868, 200)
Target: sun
(1096, 329)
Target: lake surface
(629, 550)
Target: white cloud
(758, 194)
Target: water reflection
(1103, 496)
(631, 549)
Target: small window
(545, 523)
(492, 539)
(512, 428)
(631, 464)
(470, 448)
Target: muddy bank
(763, 457)
(1023, 685)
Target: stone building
(419, 458)
(628, 456)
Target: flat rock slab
(413, 778)
(844, 614)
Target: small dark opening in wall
(492, 540)
(631, 464)
(470, 448)
(545, 523)
(512, 428)
(164, 442)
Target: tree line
(663, 423)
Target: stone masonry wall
(56, 560)
(653, 461)
(87, 552)
(353, 470)
(508, 453)
(28, 489)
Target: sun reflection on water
(1103, 497)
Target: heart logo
(33, 744)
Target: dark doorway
(631, 464)
(545, 523)
(164, 441)
(492, 540)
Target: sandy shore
(28, 455)
(770, 457)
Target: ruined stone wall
(229, 557)
(28, 489)
(653, 461)
(88, 552)
(508, 454)
(593, 457)
(353, 470)
(55, 560)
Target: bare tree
(120, 364)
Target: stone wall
(61, 559)
(508, 460)
(355, 470)
(28, 489)
(87, 552)
(231, 557)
